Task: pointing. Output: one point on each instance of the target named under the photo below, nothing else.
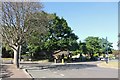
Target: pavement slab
(10, 71)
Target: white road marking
(43, 77)
(62, 74)
(54, 72)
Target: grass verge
(109, 65)
(7, 59)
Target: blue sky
(99, 19)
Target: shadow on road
(71, 66)
(59, 66)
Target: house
(59, 55)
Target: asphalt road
(93, 72)
(82, 70)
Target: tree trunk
(16, 56)
(20, 53)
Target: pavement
(10, 71)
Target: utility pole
(107, 54)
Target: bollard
(107, 60)
(62, 61)
(55, 60)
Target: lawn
(110, 64)
(7, 59)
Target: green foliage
(96, 55)
(76, 52)
(60, 36)
(83, 47)
(111, 56)
(92, 44)
(7, 53)
(95, 46)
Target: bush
(96, 55)
(26, 57)
(111, 56)
(7, 53)
(76, 52)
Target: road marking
(62, 74)
(54, 72)
(43, 77)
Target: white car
(102, 59)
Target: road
(75, 73)
(82, 70)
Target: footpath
(10, 71)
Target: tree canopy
(60, 35)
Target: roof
(59, 52)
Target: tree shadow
(4, 72)
(62, 66)
(71, 66)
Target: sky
(98, 19)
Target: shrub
(111, 56)
(7, 53)
(96, 55)
(76, 52)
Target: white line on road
(54, 72)
(43, 77)
(62, 74)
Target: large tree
(14, 30)
(60, 36)
(106, 46)
(93, 45)
(97, 45)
